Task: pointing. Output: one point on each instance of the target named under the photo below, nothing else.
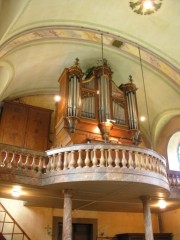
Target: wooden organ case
(94, 109)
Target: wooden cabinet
(25, 126)
(141, 236)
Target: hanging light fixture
(145, 7)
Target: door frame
(92, 221)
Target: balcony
(96, 173)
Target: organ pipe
(73, 96)
(130, 92)
(104, 99)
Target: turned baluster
(40, 165)
(153, 167)
(157, 165)
(94, 159)
(87, 160)
(160, 167)
(33, 165)
(164, 169)
(124, 161)
(178, 181)
(150, 163)
(131, 162)
(79, 161)
(48, 166)
(19, 163)
(170, 179)
(3, 163)
(142, 165)
(117, 160)
(25, 164)
(137, 161)
(72, 161)
(102, 159)
(65, 161)
(58, 162)
(9, 162)
(109, 160)
(174, 180)
(146, 158)
(164, 172)
(145, 161)
(52, 163)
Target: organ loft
(93, 109)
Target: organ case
(94, 109)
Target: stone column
(147, 218)
(67, 215)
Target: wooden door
(80, 231)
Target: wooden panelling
(25, 126)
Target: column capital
(145, 198)
(67, 192)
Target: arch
(6, 74)
(172, 127)
(172, 151)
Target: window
(178, 153)
(173, 151)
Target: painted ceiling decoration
(88, 35)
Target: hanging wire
(142, 72)
(102, 52)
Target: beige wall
(34, 220)
(171, 223)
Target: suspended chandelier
(145, 7)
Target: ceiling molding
(91, 36)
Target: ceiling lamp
(145, 7)
(162, 204)
(16, 191)
(57, 98)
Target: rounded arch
(167, 132)
(172, 152)
(6, 74)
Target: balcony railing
(174, 178)
(105, 155)
(86, 156)
(20, 158)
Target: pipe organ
(130, 92)
(94, 109)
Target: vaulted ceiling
(40, 38)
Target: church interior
(89, 120)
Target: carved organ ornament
(92, 101)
